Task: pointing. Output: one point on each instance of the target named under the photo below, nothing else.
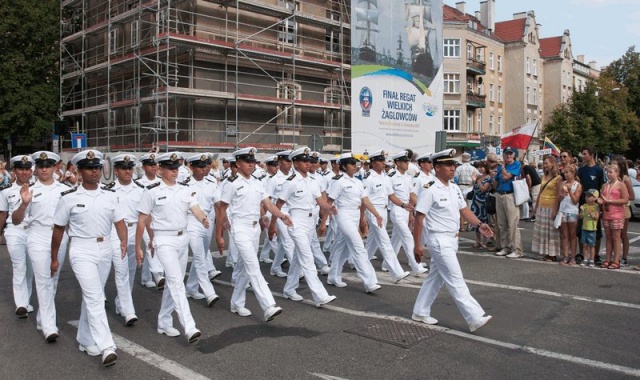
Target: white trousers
(173, 252)
(445, 269)
(348, 243)
(318, 255)
(125, 272)
(285, 246)
(331, 235)
(268, 246)
(91, 263)
(207, 242)
(401, 232)
(151, 266)
(39, 246)
(300, 233)
(16, 238)
(199, 271)
(379, 239)
(246, 235)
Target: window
(332, 37)
(527, 95)
(499, 63)
(528, 66)
(288, 28)
(451, 120)
(469, 51)
(478, 122)
(491, 94)
(451, 83)
(113, 41)
(499, 131)
(491, 124)
(499, 94)
(535, 96)
(535, 67)
(135, 33)
(470, 121)
(491, 60)
(479, 55)
(452, 48)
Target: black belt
(505, 192)
(464, 184)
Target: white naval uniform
(268, 245)
(243, 195)
(418, 184)
(151, 267)
(90, 215)
(232, 250)
(401, 235)
(40, 218)
(378, 189)
(441, 205)
(168, 207)
(16, 237)
(332, 229)
(285, 243)
(184, 174)
(207, 193)
(125, 269)
(300, 194)
(347, 194)
(318, 256)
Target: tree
(29, 76)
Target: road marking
(325, 376)
(446, 330)
(151, 358)
(635, 239)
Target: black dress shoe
(21, 312)
(51, 338)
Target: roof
(451, 14)
(512, 30)
(550, 47)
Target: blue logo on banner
(366, 100)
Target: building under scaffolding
(206, 74)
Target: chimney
(580, 58)
(488, 14)
(478, 16)
(519, 15)
(460, 6)
(593, 65)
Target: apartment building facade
(557, 63)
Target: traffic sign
(78, 140)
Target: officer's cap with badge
(347, 159)
(170, 160)
(148, 159)
(424, 157)
(271, 160)
(444, 157)
(21, 162)
(124, 161)
(401, 156)
(45, 158)
(200, 160)
(88, 159)
(246, 154)
(378, 155)
(284, 155)
(300, 154)
(315, 157)
(323, 160)
(335, 159)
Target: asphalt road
(550, 321)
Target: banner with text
(396, 74)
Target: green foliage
(29, 76)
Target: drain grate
(400, 334)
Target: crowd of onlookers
(573, 203)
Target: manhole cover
(397, 333)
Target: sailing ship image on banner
(367, 17)
(419, 26)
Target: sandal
(477, 245)
(571, 262)
(605, 264)
(614, 266)
(548, 258)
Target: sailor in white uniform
(419, 182)
(90, 213)
(269, 245)
(442, 204)
(285, 244)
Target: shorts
(613, 224)
(588, 238)
(569, 218)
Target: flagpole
(528, 145)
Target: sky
(601, 30)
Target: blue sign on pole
(78, 140)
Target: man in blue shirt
(507, 213)
(591, 176)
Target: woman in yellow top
(546, 238)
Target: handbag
(558, 220)
(490, 204)
(469, 195)
(521, 191)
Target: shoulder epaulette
(31, 184)
(138, 183)
(325, 173)
(153, 185)
(337, 177)
(232, 178)
(262, 177)
(184, 183)
(210, 180)
(66, 184)
(428, 185)
(272, 175)
(8, 185)
(292, 176)
(68, 191)
(417, 175)
(392, 174)
(367, 174)
(109, 185)
(137, 179)
(103, 188)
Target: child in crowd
(589, 213)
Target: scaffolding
(206, 74)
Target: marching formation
(154, 221)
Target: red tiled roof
(510, 31)
(452, 14)
(550, 47)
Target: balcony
(475, 67)
(476, 101)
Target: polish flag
(519, 137)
